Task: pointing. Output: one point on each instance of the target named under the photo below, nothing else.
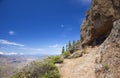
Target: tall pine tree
(69, 45)
(63, 49)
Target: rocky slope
(102, 27)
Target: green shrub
(57, 59)
(51, 71)
(107, 67)
(66, 54)
(51, 74)
(44, 69)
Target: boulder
(76, 54)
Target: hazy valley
(11, 64)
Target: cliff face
(99, 21)
(102, 27)
(109, 56)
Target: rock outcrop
(99, 21)
(102, 27)
(110, 54)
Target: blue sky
(39, 26)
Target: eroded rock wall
(99, 21)
(109, 52)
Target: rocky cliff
(102, 27)
(109, 54)
(99, 21)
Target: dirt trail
(82, 67)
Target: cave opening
(104, 33)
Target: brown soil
(82, 67)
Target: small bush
(57, 59)
(66, 54)
(107, 67)
(51, 74)
(51, 71)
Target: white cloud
(11, 32)
(62, 26)
(35, 49)
(21, 53)
(53, 46)
(55, 49)
(10, 43)
(10, 53)
(38, 49)
(83, 2)
(1, 53)
(50, 50)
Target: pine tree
(63, 49)
(74, 42)
(69, 45)
(66, 47)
